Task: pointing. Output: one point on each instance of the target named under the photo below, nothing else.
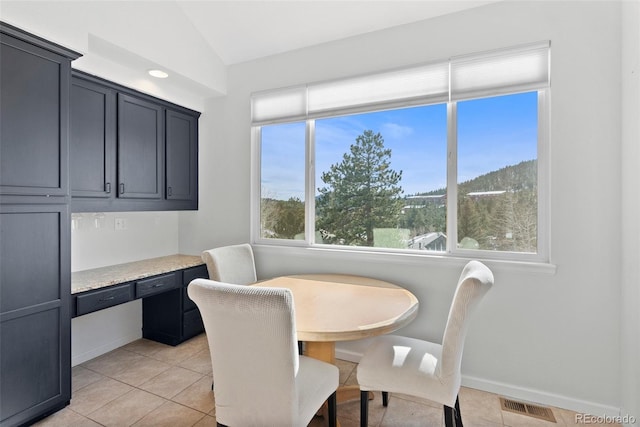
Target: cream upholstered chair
(260, 378)
(421, 368)
(231, 264)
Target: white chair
(231, 264)
(421, 368)
(260, 378)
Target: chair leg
(385, 398)
(452, 416)
(364, 408)
(333, 412)
(449, 419)
(458, 413)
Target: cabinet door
(35, 322)
(140, 148)
(34, 83)
(92, 140)
(182, 156)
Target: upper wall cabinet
(130, 151)
(182, 156)
(140, 148)
(33, 116)
(92, 142)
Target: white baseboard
(77, 359)
(541, 397)
(516, 392)
(350, 356)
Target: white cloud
(393, 131)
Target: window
(282, 184)
(497, 173)
(444, 158)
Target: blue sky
(492, 133)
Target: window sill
(345, 254)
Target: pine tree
(290, 218)
(361, 193)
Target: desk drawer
(98, 300)
(156, 285)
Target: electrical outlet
(120, 224)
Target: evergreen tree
(361, 193)
(290, 218)
(469, 219)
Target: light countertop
(95, 278)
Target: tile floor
(146, 383)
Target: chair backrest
(231, 264)
(253, 344)
(475, 280)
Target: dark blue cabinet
(171, 317)
(130, 151)
(35, 266)
(92, 149)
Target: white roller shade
(497, 72)
(493, 73)
(279, 105)
(427, 83)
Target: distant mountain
(522, 176)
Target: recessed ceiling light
(158, 74)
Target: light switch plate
(120, 224)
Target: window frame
(452, 251)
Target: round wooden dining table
(339, 307)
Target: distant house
(475, 195)
(434, 241)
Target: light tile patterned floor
(149, 384)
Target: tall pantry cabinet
(35, 266)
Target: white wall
(630, 354)
(547, 335)
(122, 43)
(96, 243)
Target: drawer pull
(108, 298)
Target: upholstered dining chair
(421, 368)
(260, 378)
(231, 264)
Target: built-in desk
(168, 314)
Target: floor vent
(527, 409)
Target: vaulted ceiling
(196, 41)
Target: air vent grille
(535, 411)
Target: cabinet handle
(107, 187)
(122, 188)
(169, 191)
(107, 299)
